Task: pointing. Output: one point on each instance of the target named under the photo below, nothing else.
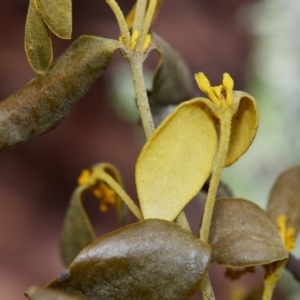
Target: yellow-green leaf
(172, 81)
(243, 235)
(243, 128)
(46, 100)
(38, 46)
(284, 198)
(57, 14)
(38, 293)
(176, 161)
(151, 259)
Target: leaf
(151, 259)
(242, 235)
(38, 45)
(285, 197)
(243, 128)
(38, 293)
(176, 161)
(47, 99)
(172, 81)
(58, 16)
(77, 231)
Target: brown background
(37, 178)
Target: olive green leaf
(38, 293)
(176, 161)
(47, 99)
(77, 231)
(284, 198)
(58, 16)
(244, 125)
(172, 81)
(243, 235)
(38, 46)
(151, 259)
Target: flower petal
(244, 126)
(176, 161)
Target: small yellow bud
(84, 177)
(147, 42)
(134, 39)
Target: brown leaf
(151, 259)
(285, 198)
(243, 235)
(47, 99)
(172, 82)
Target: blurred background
(255, 41)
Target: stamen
(204, 86)
(228, 84)
(134, 39)
(147, 42)
(121, 21)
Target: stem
(136, 67)
(206, 290)
(225, 121)
(182, 221)
(139, 15)
(121, 21)
(123, 195)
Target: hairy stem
(206, 290)
(121, 21)
(136, 67)
(122, 194)
(216, 176)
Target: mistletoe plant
(157, 257)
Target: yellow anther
(146, 42)
(134, 39)
(287, 234)
(204, 86)
(228, 84)
(84, 177)
(105, 194)
(121, 40)
(218, 91)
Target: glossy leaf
(172, 82)
(38, 45)
(285, 197)
(77, 231)
(152, 259)
(58, 16)
(38, 293)
(47, 99)
(176, 161)
(243, 235)
(243, 128)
